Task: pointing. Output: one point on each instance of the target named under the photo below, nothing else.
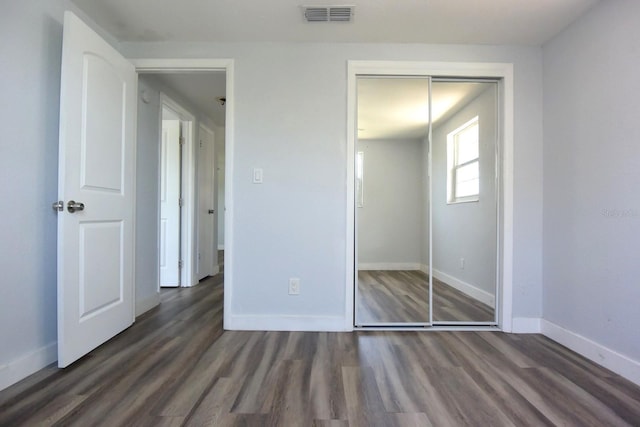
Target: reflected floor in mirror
(403, 296)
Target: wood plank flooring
(403, 296)
(176, 367)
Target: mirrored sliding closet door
(427, 195)
(464, 203)
(392, 201)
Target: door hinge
(181, 140)
(180, 264)
(180, 202)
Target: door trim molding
(503, 71)
(167, 65)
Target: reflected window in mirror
(463, 163)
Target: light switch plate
(257, 176)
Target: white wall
(425, 238)
(390, 221)
(31, 34)
(220, 172)
(592, 178)
(290, 120)
(147, 161)
(467, 230)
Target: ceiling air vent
(328, 13)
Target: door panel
(392, 227)
(102, 125)
(170, 201)
(96, 168)
(465, 223)
(100, 245)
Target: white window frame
(453, 165)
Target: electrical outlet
(462, 263)
(294, 286)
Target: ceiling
(503, 22)
(399, 107)
(395, 109)
(199, 89)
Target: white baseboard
(389, 266)
(27, 365)
(526, 325)
(610, 359)
(216, 270)
(142, 306)
(286, 323)
(221, 247)
(466, 288)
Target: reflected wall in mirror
(391, 222)
(464, 203)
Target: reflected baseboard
(466, 288)
(390, 266)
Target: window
(463, 163)
(359, 178)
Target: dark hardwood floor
(403, 296)
(175, 366)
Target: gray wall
(31, 34)
(220, 169)
(294, 224)
(592, 177)
(147, 174)
(390, 221)
(467, 230)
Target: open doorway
(193, 105)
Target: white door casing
(154, 65)
(170, 201)
(206, 205)
(97, 168)
(503, 71)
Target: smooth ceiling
(199, 89)
(399, 107)
(503, 22)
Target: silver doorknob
(73, 206)
(211, 211)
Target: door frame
(502, 71)
(187, 191)
(185, 65)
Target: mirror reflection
(464, 202)
(392, 218)
(410, 224)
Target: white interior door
(170, 200)
(206, 212)
(96, 169)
